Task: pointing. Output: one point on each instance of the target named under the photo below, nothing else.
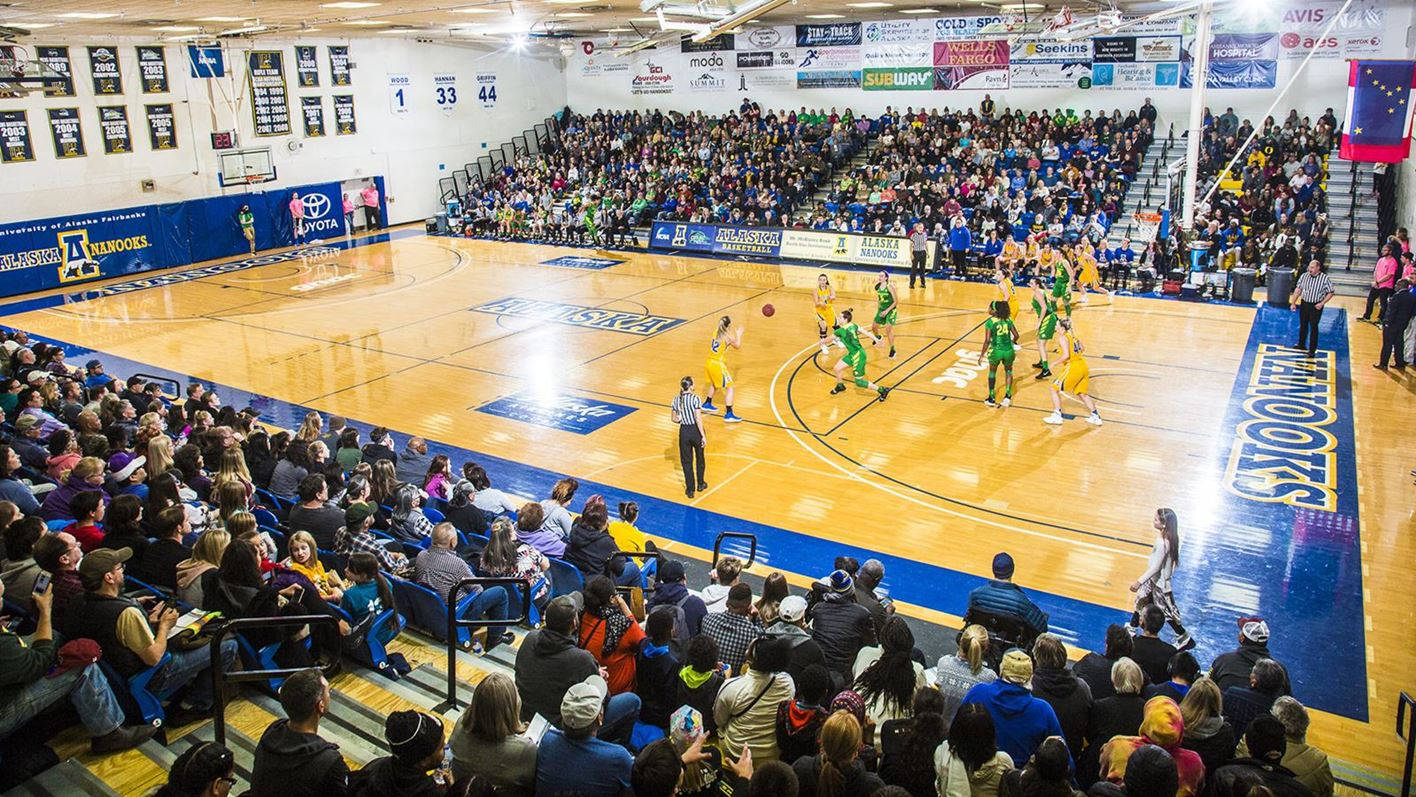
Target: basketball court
(541, 361)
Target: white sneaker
(1007, 402)
(1094, 419)
(1054, 419)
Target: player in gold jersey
(1088, 274)
(718, 374)
(825, 307)
(1075, 377)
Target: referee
(686, 413)
(1309, 297)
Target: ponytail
(629, 511)
(840, 745)
(972, 643)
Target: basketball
(768, 310)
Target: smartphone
(41, 582)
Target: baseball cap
(840, 581)
(583, 702)
(92, 364)
(1254, 629)
(670, 571)
(120, 460)
(562, 609)
(357, 513)
(127, 470)
(37, 376)
(1003, 566)
(792, 608)
(1017, 667)
(26, 422)
(101, 560)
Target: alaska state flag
(1379, 100)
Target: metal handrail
(454, 622)
(739, 535)
(1401, 704)
(633, 555)
(220, 677)
(165, 380)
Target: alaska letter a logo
(75, 262)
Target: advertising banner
(829, 79)
(947, 28)
(162, 126)
(1156, 49)
(816, 245)
(113, 125)
(1114, 49)
(1236, 75)
(307, 67)
(723, 41)
(650, 77)
(766, 59)
(837, 35)
(107, 77)
(828, 58)
(766, 38)
(1051, 52)
(905, 78)
(1244, 47)
(901, 54)
(57, 59)
(68, 135)
(899, 31)
(152, 69)
(1135, 76)
(971, 65)
(1045, 75)
(1359, 32)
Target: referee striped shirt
(1312, 288)
(687, 405)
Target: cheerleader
(1154, 585)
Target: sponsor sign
(1134, 76)
(908, 78)
(837, 35)
(829, 79)
(339, 66)
(1358, 32)
(709, 60)
(117, 135)
(753, 81)
(815, 245)
(765, 241)
(312, 113)
(889, 55)
(766, 59)
(152, 68)
(723, 41)
(828, 58)
(67, 133)
(270, 107)
(307, 67)
(344, 124)
(206, 62)
(57, 59)
(566, 413)
(323, 214)
(1235, 75)
(971, 65)
(1046, 75)
(708, 82)
(899, 31)
(946, 28)
(162, 126)
(769, 38)
(581, 261)
(15, 143)
(651, 77)
(1114, 49)
(107, 77)
(575, 315)
(1051, 52)
(1140, 26)
(1244, 47)
(1154, 49)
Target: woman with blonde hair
(487, 740)
(1206, 730)
(201, 423)
(959, 673)
(836, 771)
(233, 469)
(304, 559)
(310, 428)
(159, 454)
(206, 558)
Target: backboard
(20, 75)
(246, 166)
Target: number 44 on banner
(487, 89)
(400, 88)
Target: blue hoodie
(959, 237)
(1020, 721)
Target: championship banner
(113, 124)
(270, 106)
(307, 67)
(15, 143)
(344, 115)
(67, 133)
(152, 68)
(840, 34)
(162, 126)
(971, 65)
(312, 111)
(339, 66)
(57, 59)
(107, 77)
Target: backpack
(679, 642)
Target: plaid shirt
(67, 588)
(733, 633)
(439, 569)
(348, 544)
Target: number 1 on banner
(398, 93)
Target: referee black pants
(691, 456)
(917, 261)
(1308, 315)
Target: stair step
(66, 778)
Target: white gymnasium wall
(606, 81)
(410, 150)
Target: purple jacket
(547, 542)
(56, 504)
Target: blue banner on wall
(1234, 75)
(48, 253)
(719, 239)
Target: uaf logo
(317, 215)
(76, 262)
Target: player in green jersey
(1046, 308)
(999, 336)
(1062, 279)
(886, 311)
(247, 221)
(848, 337)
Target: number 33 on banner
(445, 92)
(487, 89)
(400, 89)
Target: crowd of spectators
(610, 171)
(713, 691)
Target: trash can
(1241, 290)
(1280, 287)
